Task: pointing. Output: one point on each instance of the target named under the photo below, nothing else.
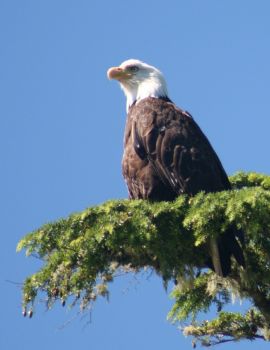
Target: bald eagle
(166, 154)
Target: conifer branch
(84, 252)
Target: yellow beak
(117, 73)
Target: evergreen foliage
(84, 252)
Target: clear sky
(62, 127)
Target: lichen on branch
(83, 253)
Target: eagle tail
(222, 249)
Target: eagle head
(138, 80)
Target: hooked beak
(117, 73)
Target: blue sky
(62, 127)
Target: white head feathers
(139, 80)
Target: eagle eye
(133, 69)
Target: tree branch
(85, 252)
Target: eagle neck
(151, 87)
(163, 98)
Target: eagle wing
(179, 152)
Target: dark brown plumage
(166, 153)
